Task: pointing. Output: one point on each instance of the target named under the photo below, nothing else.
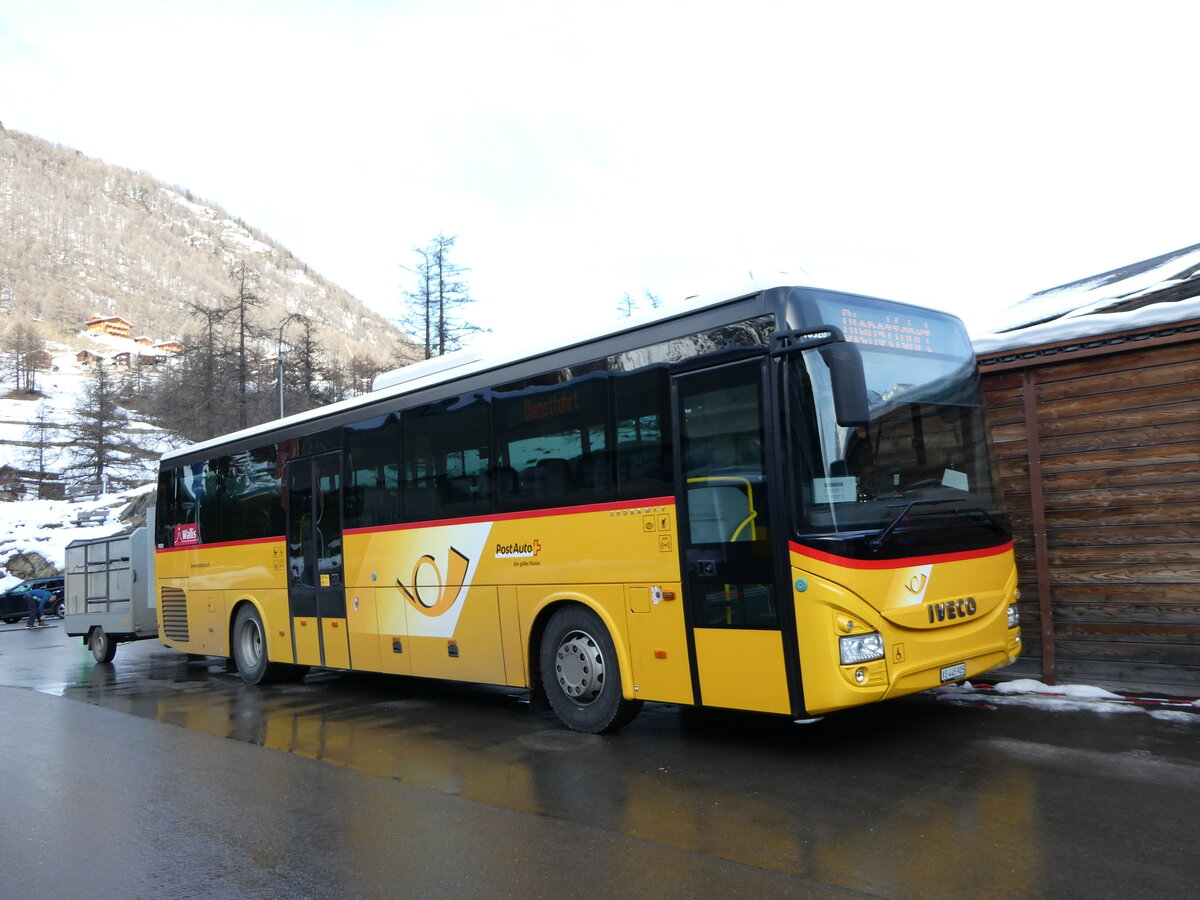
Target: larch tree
(307, 364)
(101, 451)
(190, 393)
(39, 446)
(438, 295)
(239, 307)
(21, 347)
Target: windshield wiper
(877, 542)
(880, 539)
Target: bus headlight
(1014, 616)
(860, 648)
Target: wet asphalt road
(156, 775)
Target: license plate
(954, 673)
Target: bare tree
(362, 374)
(307, 365)
(439, 293)
(190, 389)
(39, 446)
(21, 347)
(628, 305)
(247, 335)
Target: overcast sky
(955, 154)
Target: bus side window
(554, 437)
(446, 455)
(167, 514)
(643, 435)
(373, 472)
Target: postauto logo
(518, 550)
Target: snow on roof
(1101, 304)
(108, 345)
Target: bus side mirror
(850, 404)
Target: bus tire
(103, 647)
(581, 674)
(249, 647)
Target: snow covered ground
(1068, 698)
(46, 527)
(60, 390)
(62, 386)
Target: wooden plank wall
(1099, 450)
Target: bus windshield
(914, 474)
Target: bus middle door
(316, 589)
(729, 573)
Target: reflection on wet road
(911, 798)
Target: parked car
(13, 606)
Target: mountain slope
(81, 238)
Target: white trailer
(109, 591)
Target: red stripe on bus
(513, 516)
(847, 563)
(200, 546)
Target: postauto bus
(783, 502)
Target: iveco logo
(954, 609)
(916, 584)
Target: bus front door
(316, 591)
(729, 573)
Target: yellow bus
(783, 502)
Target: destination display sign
(894, 329)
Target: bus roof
(506, 352)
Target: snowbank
(1067, 698)
(46, 527)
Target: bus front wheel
(250, 647)
(581, 675)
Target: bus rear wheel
(250, 647)
(581, 675)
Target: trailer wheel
(581, 675)
(103, 647)
(250, 647)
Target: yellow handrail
(749, 520)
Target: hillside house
(38, 359)
(112, 335)
(1094, 399)
(113, 326)
(26, 484)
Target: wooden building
(28, 484)
(1096, 418)
(114, 326)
